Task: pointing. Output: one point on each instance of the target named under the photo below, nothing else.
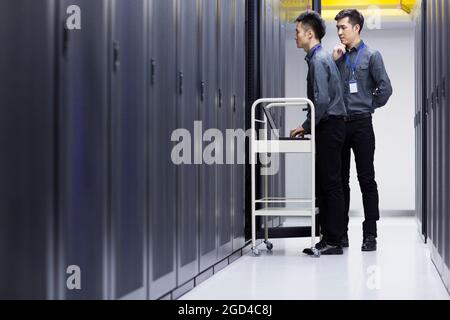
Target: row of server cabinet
(92, 202)
(272, 76)
(432, 126)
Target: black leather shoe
(344, 241)
(323, 248)
(369, 244)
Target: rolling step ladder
(262, 144)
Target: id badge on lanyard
(353, 84)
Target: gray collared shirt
(324, 87)
(374, 85)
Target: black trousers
(360, 138)
(330, 138)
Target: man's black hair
(354, 17)
(313, 20)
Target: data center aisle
(401, 269)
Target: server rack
(162, 176)
(27, 189)
(224, 173)
(446, 104)
(444, 16)
(208, 245)
(113, 201)
(187, 113)
(239, 124)
(128, 129)
(432, 129)
(83, 150)
(429, 112)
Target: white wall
(393, 124)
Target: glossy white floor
(400, 269)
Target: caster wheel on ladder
(255, 252)
(269, 245)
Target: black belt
(330, 117)
(358, 116)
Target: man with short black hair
(366, 88)
(325, 91)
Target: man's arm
(320, 77)
(383, 87)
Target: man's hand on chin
(338, 52)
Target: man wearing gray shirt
(325, 91)
(366, 87)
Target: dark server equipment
(446, 106)
(253, 92)
(94, 194)
(420, 117)
(128, 125)
(271, 69)
(187, 113)
(224, 117)
(162, 171)
(238, 107)
(439, 127)
(276, 72)
(273, 86)
(429, 107)
(436, 123)
(267, 30)
(27, 117)
(267, 81)
(443, 121)
(83, 149)
(432, 128)
(208, 107)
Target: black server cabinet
(83, 148)
(239, 124)
(27, 117)
(419, 109)
(435, 115)
(445, 12)
(433, 128)
(429, 119)
(440, 125)
(437, 122)
(253, 92)
(128, 120)
(187, 114)
(258, 90)
(416, 128)
(162, 171)
(419, 118)
(424, 119)
(208, 111)
(223, 182)
(269, 51)
(266, 44)
(430, 150)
